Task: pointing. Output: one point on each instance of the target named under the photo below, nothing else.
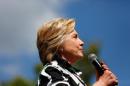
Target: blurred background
(104, 25)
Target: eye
(75, 36)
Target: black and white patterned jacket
(60, 73)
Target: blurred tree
(37, 69)
(19, 81)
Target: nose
(81, 42)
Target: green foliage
(93, 48)
(19, 81)
(37, 69)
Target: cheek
(71, 47)
(76, 52)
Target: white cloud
(19, 21)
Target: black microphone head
(92, 57)
(94, 60)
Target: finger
(114, 82)
(113, 76)
(105, 67)
(107, 74)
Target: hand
(107, 78)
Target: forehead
(74, 32)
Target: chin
(81, 56)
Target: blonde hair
(51, 35)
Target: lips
(82, 50)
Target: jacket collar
(64, 63)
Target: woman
(59, 46)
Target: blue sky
(103, 21)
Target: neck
(68, 59)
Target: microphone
(96, 63)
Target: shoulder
(51, 71)
(52, 75)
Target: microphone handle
(98, 67)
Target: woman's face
(72, 47)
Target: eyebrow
(75, 33)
